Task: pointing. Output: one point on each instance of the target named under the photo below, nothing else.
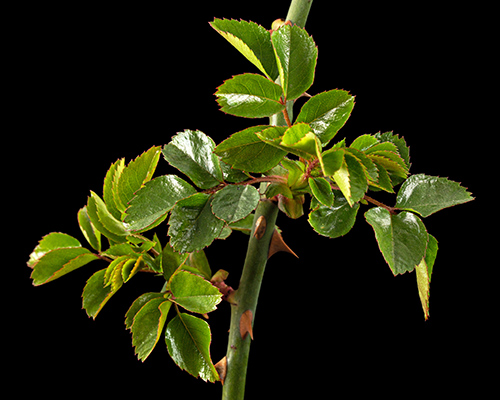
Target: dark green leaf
(428, 194)
(188, 342)
(322, 190)
(171, 260)
(192, 153)
(92, 235)
(326, 113)
(193, 292)
(250, 95)
(402, 238)
(296, 55)
(199, 263)
(336, 220)
(193, 226)
(403, 149)
(95, 294)
(246, 151)
(235, 202)
(251, 40)
(154, 200)
(52, 241)
(148, 326)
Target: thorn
(278, 244)
(246, 324)
(221, 368)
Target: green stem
(298, 12)
(245, 298)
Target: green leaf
(193, 292)
(138, 304)
(428, 194)
(250, 96)
(296, 55)
(351, 179)
(403, 149)
(105, 218)
(154, 200)
(331, 161)
(423, 272)
(92, 235)
(322, 190)
(58, 262)
(193, 226)
(148, 325)
(246, 151)
(334, 221)
(188, 342)
(52, 241)
(301, 141)
(110, 187)
(133, 176)
(364, 142)
(402, 238)
(326, 113)
(171, 260)
(191, 152)
(199, 263)
(251, 40)
(235, 202)
(95, 294)
(294, 207)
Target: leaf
(154, 200)
(52, 241)
(250, 96)
(293, 208)
(235, 202)
(326, 113)
(296, 55)
(364, 142)
(171, 260)
(110, 187)
(188, 342)
(193, 293)
(138, 304)
(133, 176)
(92, 235)
(105, 219)
(147, 326)
(251, 40)
(331, 161)
(423, 272)
(246, 324)
(199, 262)
(426, 195)
(191, 152)
(402, 238)
(322, 190)
(246, 151)
(301, 141)
(334, 221)
(403, 149)
(95, 294)
(193, 226)
(351, 179)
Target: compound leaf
(191, 152)
(250, 96)
(235, 202)
(154, 200)
(193, 226)
(326, 113)
(428, 194)
(188, 342)
(402, 238)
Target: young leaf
(301, 141)
(403, 149)
(147, 326)
(402, 238)
(194, 293)
(154, 200)
(105, 218)
(92, 235)
(95, 294)
(193, 226)
(198, 261)
(296, 55)
(235, 202)
(428, 194)
(52, 241)
(331, 161)
(191, 152)
(334, 221)
(246, 151)
(351, 179)
(250, 96)
(251, 40)
(326, 113)
(59, 262)
(188, 342)
(424, 272)
(322, 190)
(138, 304)
(110, 187)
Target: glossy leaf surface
(296, 55)
(193, 226)
(191, 152)
(188, 342)
(92, 235)
(351, 179)
(428, 194)
(246, 151)
(322, 191)
(401, 238)
(326, 113)
(251, 40)
(52, 241)
(250, 95)
(194, 293)
(235, 202)
(95, 294)
(138, 304)
(424, 272)
(152, 202)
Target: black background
(94, 83)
